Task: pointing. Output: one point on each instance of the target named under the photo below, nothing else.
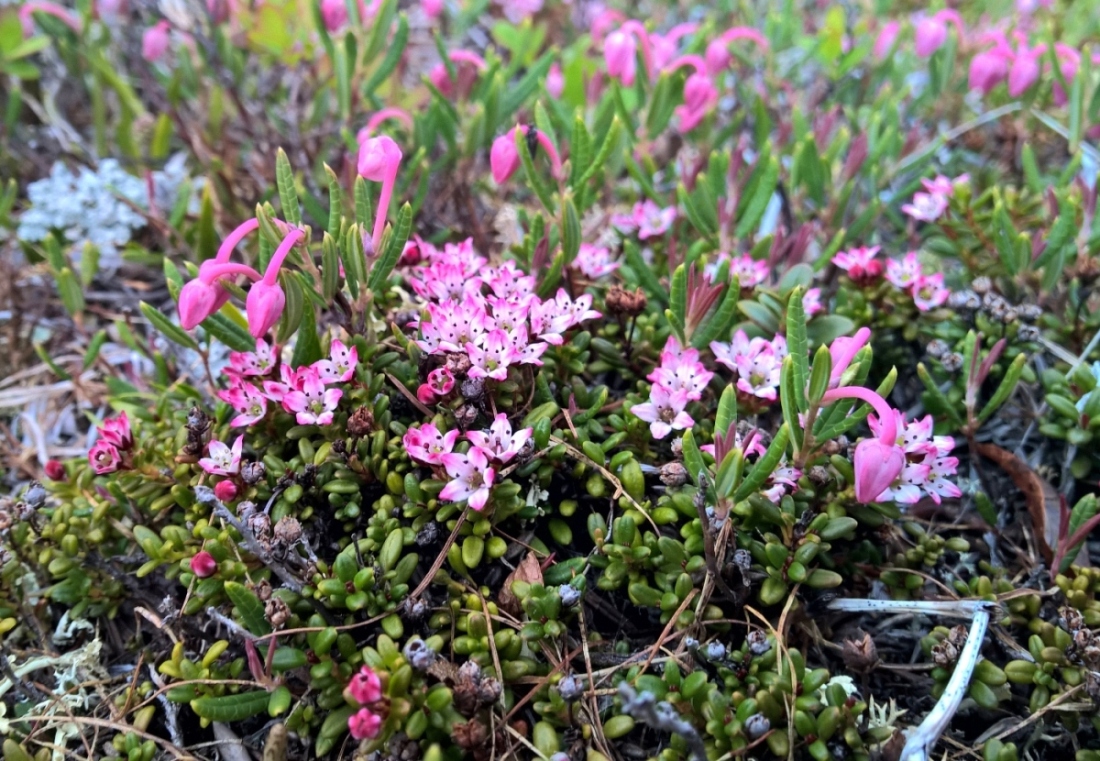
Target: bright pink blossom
(652, 220)
(860, 263)
(594, 261)
(926, 207)
(249, 403)
(428, 445)
(221, 460)
(379, 161)
(885, 40)
(104, 457)
(471, 478)
(664, 411)
(365, 687)
(555, 82)
(1025, 69)
(878, 461)
(906, 273)
(364, 724)
(313, 404)
(340, 365)
(154, 43)
(929, 292)
(226, 490)
(499, 442)
(503, 158)
(117, 431)
(203, 564)
(334, 13)
(253, 363)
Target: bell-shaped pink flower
(266, 300)
(433, 9)
(503, 157)
(379, 160)
(154, 43)
(1025, 70)
(718, 56)
(884, 43)
(619, 52)
(988, 69)
(334, 13)
(555, 82)
(198, 300)
(877, 464)
(878, 461)
(930, 35)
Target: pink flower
(493, 358)
(927, 461)
(499, 442)
(860, 263)
(930, 35)
(246, 399)
(226, 491)
(440, 382)
(1025, 70)
(926, 207)
(680, 369)
(620, 54)
(116, 431)
(253, 363)
(312, 403)
(433, 9)
(203, 564)
(929, 292)
(365, 687)
(154, 43)
(811, 302)
(664, 411)
(555, 82)
(221, 460)
(104, 457)
(989, 68)
(594, 261)
(334, 13)
(55, 470)
(471, 478)
(905, 273)
(651, 220)
(718, 56)
(758, 375)
(877, 465)
(1068, 61)
(379, 161)
(843, 350)
(503, 157)
(266, 300)
(884, 43)
(428, 445)
(364, 724)
(340, 365)
(748, 271)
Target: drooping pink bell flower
(990, 67)
(379, 160)
(433, 9)
(380, 116)
(885, 40)
(154, 43)
(843, 350)
(1025, 69)
(203, 564)
(334, 13)
(718, 56)
(700, 94)
(878, 461)
(503, 158)
(664, 46)
(619, 51)
(467, 65)
(266, 300)
(64, 15)
(930, 35)
(555, 82)
(202, 297)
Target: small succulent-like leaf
(249, 607)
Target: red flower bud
(203, 564)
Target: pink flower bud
(877, 464)
(718, 56)
(199, 300)
(203, 564)
(334, 13)
(364, 725)
(226, 491)
(425, 394)
(441, 79)
(55, 471)
(884, 43)
(619, 51)
(699, 92)
(378, 157)
(433, 9)
(104, 457)
(117, 431)
(503, 157)
(263, 307)
(154, 43)
(930, 35)
(555, 82)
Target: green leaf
(570, 231)
(721, 321)
(249, 607)
(727, 410)
(517, 94)
(799, 347)
(1005, 388)
(395, 49)
(57, 369)
(335, 202)
(207, 244)
(580, 151)
(697, 219)
(760, 314)
(238, 707)
(330, 268)
(534, 179)
(788, 400)
(343, 69)
(649, 282)
(364, 216)
(824, 330)
(391, 251)
(678, 296)
(765, 466)
(171, 331)
(355, 262)
(610, 141)
(94, 346)
(295, 306)
(307, 349)
(288, 195)
(693, 458)
(819, 375)
(229, 332)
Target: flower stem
(889, 430)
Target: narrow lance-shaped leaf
(288, 195)
(678, 297)
(394, 52)
(787, 400)
(765, 466)
(693, 458)
(727, 410)
(171, 331)
(538, 184)
(330, 268)
(1004, 389)
(644, 273)
(392, 250)
(335, 202)
(798, 346)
